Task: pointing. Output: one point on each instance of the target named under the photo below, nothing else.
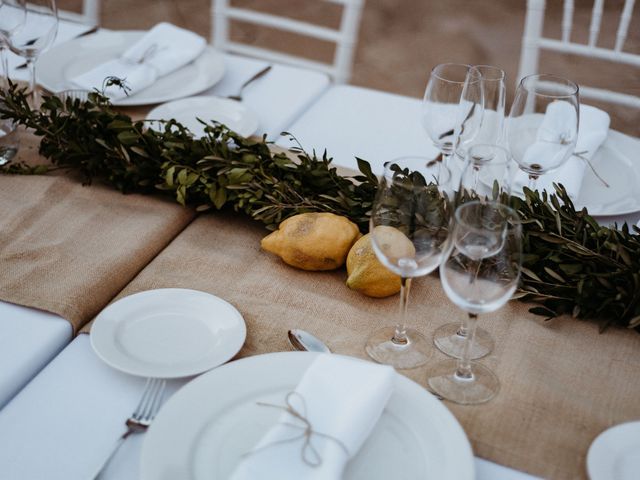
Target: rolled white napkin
(162, 50)
(342, 398)
(594, 125)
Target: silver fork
(142, 416)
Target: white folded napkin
(162, 50)
(594, 125)
(342, 399)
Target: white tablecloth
(357, 122)
(69, 417)
(29, 339)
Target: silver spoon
(306, 342)
(258, 75)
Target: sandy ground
(401, 40)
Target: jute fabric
(562, 382)
(68, 248)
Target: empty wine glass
(493, 93)
(452, 108)
(542, 129)
(487, 177)
(409, 229)
(37, 33)
(12, 16)
(479, 275)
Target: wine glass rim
(509, 212)
(435, 74)
(558, 79)
(492, 68)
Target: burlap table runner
(562, 382)
(69, 249)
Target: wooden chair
(90, 13)
(345, 38)
(533, 42)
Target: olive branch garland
(571, 264)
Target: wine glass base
(414, 353)
(482, 387)
(447, 340)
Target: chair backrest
(533, 42)
(345, 38)
(90, 13)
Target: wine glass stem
(4, 65)
(400, 335)
(463, 330)
(533, 181)
(31, 64)
(463, 371)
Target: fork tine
(158, 400)
(143, 399)
(146, 400)
(153, 401)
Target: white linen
(29, 339)
(594, 125)
(342, 399)
(162, 50)
(351, 121)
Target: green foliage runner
(571, 264)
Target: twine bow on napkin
(309, 453)
(162, 50)
(324, 422)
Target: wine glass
(36, 34)
(487, 177)
(493, 93)
(12, 16)
(542, 129)
(452, 108)
(409, 229)
(480, 274)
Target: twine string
(309, 453)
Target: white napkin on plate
(162, 50)
(594, 126)
(340, 397)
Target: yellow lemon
(313, 241)
(366, 274)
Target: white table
(31, 338)
(357, 122)
(72, 413)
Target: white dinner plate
(615, 453)
(206, 427)
(616, 161)
(187, 111)
(168, 333)
(57, 66)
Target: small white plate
(56, 67)
(168, 333)
(615, 453)
(187, 111)
(205, 428)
